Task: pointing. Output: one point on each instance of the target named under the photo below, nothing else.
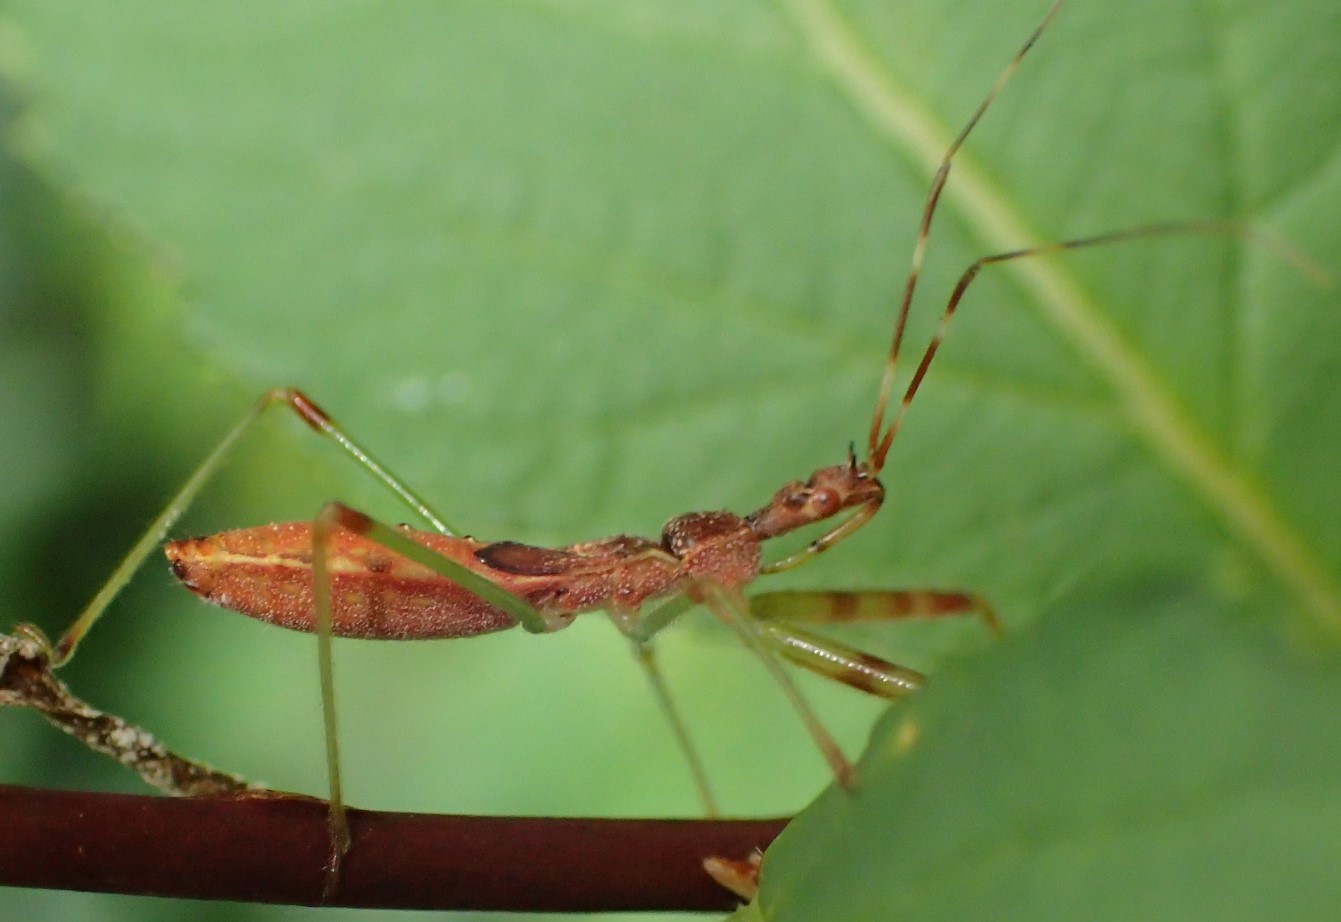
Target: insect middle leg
(763, 624)
(776, 614)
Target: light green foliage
(571, 267)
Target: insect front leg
(839, 607)
(307, 410)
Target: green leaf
(1142, 754)
(572, 267)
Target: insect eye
(825, 501)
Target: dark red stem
(273, 850)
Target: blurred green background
(571, 268)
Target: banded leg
(840, 607)
(61, 652)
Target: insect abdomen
(266, 573)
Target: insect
(349, 575)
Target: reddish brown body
(266, 572)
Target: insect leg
(647, 658)
(732, 608)
(640, 631)
(778, 612)
(741, 877)
(310, 413)
(339, 516)
(834, 660)
(838, 607)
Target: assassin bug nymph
(345, 574)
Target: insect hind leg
(338, 516)
(307, 410)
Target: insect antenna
(882, 438)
